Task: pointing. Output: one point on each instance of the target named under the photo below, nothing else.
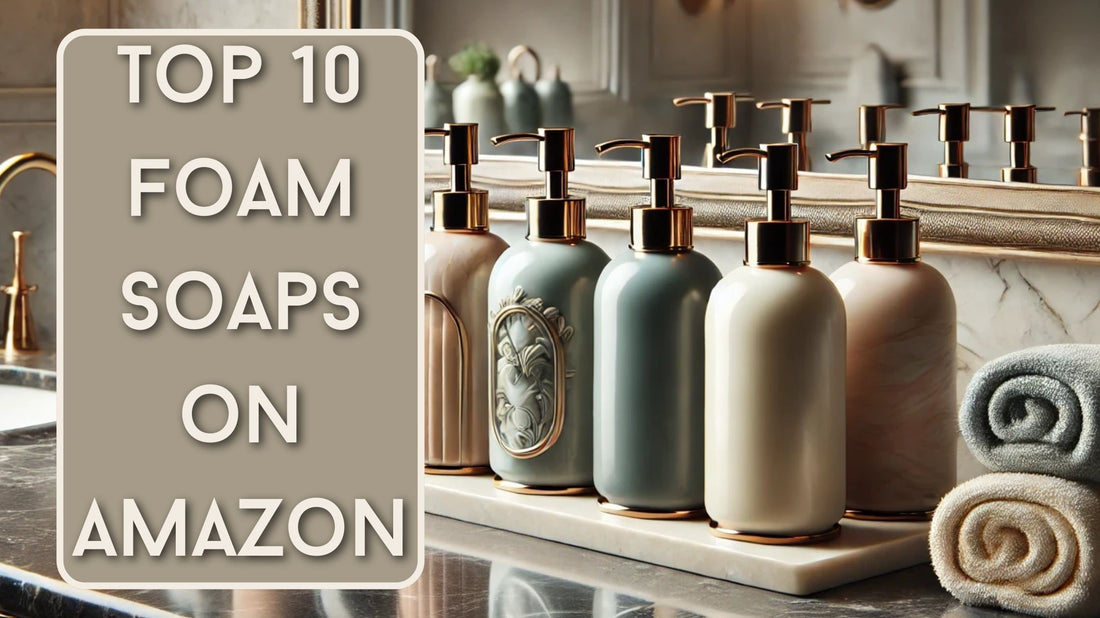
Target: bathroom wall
(29, 35)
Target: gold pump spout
(721, 116)
(1019, 132)
(19, 331)
(954, 132)
(797, 124)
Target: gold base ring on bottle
(865, 515)
(628, 511)
(540, 490)
(456, 470)
(772, 539)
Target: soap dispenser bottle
(775, 379)
(459, 253)
(540, 337)
(901, 358)
(649, 309)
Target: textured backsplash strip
(1062, 220)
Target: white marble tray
(864, 549)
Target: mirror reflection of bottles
(459, 253)
(477, 100)
(450, 585)
(518, 592)
(437, 97)
(540, 311)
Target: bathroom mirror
(625, 61)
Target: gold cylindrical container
(777, 243)
(555, 218)
(460, 210)
(894, 241)
(661, 229)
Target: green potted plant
(477, 99)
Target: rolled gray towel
(1037, 410)
(1024, 542)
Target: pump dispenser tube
(648, 393)
(459, 253)
(775, 379)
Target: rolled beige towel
(1023, 542)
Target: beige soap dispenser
(901, 357)
(774, 395)
(459, 253)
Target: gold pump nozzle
(872, 123)
(662, 226)
(777, 240)
(461, 208)
(797, 122)
(954, 131)
(888, 236)
(721, 116)
(1019, 132)
(1089, 174)
(556, 215)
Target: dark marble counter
(475, 576)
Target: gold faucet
(19, 333)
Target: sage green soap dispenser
(650, 304)
(459, 253)
(540, 337)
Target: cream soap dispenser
(901, 358)
(459, 253)
(540, 337)
(775, 379)
(649, 309)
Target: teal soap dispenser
(649, 311)
(540, 337)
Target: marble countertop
(453, 584)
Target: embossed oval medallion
(528, 374)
